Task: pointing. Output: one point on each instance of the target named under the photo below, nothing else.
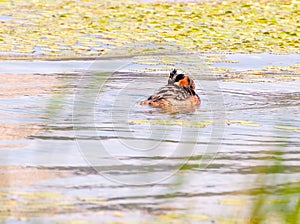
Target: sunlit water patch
(244, 62)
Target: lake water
(75, 144)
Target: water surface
(75, 145)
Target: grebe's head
(181, 80)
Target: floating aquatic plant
(40, 29)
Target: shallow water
(75, 145)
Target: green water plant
(277, 199)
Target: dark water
(75, 145)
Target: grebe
(179, 92)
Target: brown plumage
(179, 92)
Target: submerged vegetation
(44, 29)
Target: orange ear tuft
(184, 81)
